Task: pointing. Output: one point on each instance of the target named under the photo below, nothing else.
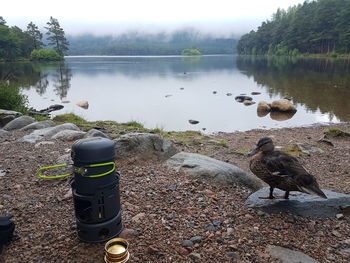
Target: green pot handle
(78, 170)
(40, 170)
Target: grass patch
(336, 132)
(41, 118)
(69, 117)
(242, 151)
(294, 150)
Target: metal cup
(117, 251)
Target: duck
(280, 170)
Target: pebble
(196, 239)
(210, 228)
(217, 222)
(233, 255)
(336, 233)
(128, 233)
(187, 243)
(230, 231)
(339, 216)
(195, 256)
(138, 217)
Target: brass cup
(117, 251)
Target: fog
(106, 17)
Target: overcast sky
(115, 16)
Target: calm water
(165, 92)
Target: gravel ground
(163, 210)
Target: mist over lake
(166, 92)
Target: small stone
(196, 239)
(195, 256)
(138, 217)
(339, 216)
(347, 241)
(193, 121)
(182, 251)
(187, 243)
(214, 92)
(230, 231)
(152, 250)
(336, 233)
(128, 233)
(83, 104)
(233, 255)
(210, 228)
(255, 93)
(217, 222)
(68, 195)
(248, 102)
(290, 219)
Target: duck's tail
(313, 189)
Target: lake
(166, 92)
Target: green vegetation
(45, 55)
(16, 44)
(336, 132)
(314, 27)
(12, 99)
(69, 117)
(191, 52)
(56, 36)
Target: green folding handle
(40, 170)
(98, 165)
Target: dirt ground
(163, 208)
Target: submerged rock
(264, 107)
(242, 98)
(283, 105)
(193, 121)
(300, 204)
(83, 104)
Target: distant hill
(136, 43)
(320, 26)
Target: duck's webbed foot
(270, 195)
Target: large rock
(8, 115)
(69, 135)
(300, 204)
(38, 125)
(38, 135)
(143, 146)
(3, 132)
(286, 255)
(19, 123)
(283, 105)
(206, 168)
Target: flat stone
(43, 143)
(69, 135)
(38, 125)
(286, 255)
(187, 243)
(212, 170)
(19, 123)
(38, 135)
(300, 204)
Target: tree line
(17, 44)
(314, 27)
(162, 43)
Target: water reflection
(166, 92)
(318, 84)
(38, 76)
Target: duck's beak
(253, 152)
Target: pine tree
(36, 35)
(56, 37)
(2, 21)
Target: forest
(16, 44)
(140, 43)
(314, 27)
